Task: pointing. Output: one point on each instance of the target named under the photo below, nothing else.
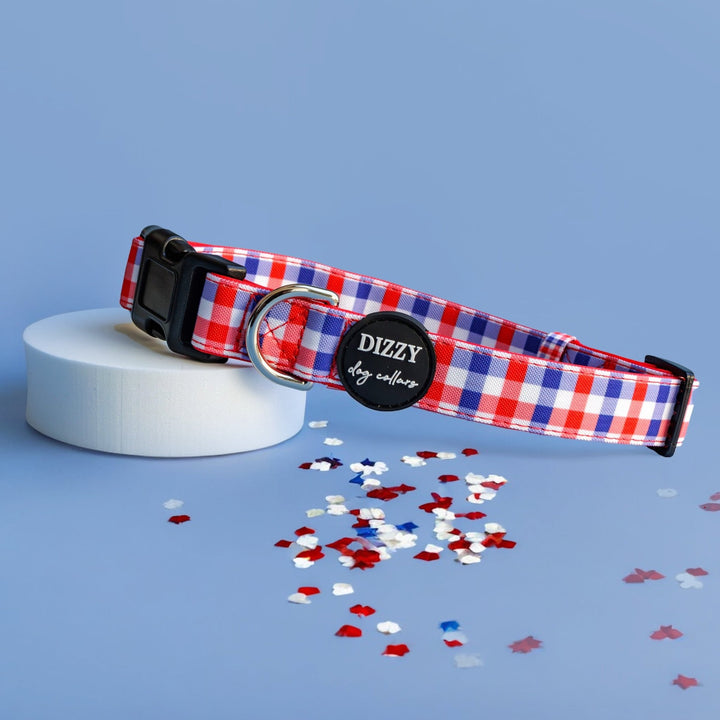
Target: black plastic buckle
(169, 287)
(687, 378)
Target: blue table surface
(552, 163)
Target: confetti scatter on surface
(525, 645)
(332, 441)
(388, 627)
(317, 424)
(322, 464)
(667, 492)
(465, 660)
(684, 682)
(342, 589)
(173, 504)
(688, 581)
(179, 519)
(640, 576)
(666, 631)
(349, 631)
(396, 650)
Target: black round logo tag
(386, 361)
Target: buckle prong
(252, 335)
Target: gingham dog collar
(301, 322)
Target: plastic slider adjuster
(687, 378)
(169, 288)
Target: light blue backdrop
(555, 163)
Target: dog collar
(390, 347)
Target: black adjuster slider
(687, 378)
(169, 288)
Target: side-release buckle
(169, 288)
(687, 378)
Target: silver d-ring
(252, 345)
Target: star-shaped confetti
(525, 645)
(179, 519)
(684, 682)
(666, 632)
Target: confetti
(640, 576)
(173, 504)
(685, 682)
(396, 650)
(315, 424)
(449, 625)
(697, 572)
(710, 507)
(334, 499)
(456, 638)
(332, 441)
(299, 598)
(467, 452)
(427, 556)
(413, 460)
(464, 660)
(446, 456)
(314, 512)
(178, 519)
(688, 581)
(304, 531)
(349, 631)
(667, 492)
(342, 589)
(308, 541)
(308, 590)
(666, 631)
(448, 478)
(388, 627)
(362, 610)
(283, 543)
(426, 454)
(369, 467)
(715, 496)
(525, 645)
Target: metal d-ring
(252, 345)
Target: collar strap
(302, 322)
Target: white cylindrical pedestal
(96, 381)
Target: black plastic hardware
(687, 378)
(169, 287)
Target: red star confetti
(426, 454)
(439, 502)
(283, 543)
(467, 452)
(396, 650)
(685, 682)
(697, 572)
(640, 576)
(323, 464)
(710, 507)
(715, 496)
(471, 515)
(382, 493)
(525, 645)
(666, 631)
(362, 610)
(448, 478)
(308, 590)
(430, 553)
(179, 519)
(304, 531)
(349, 631)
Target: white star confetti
(342, 589)
(308, 541)
(413, 460)
(367, 468)
(337, 509)
(173, 504)
(667, 492)
(446, 456)
(332, 441)
(299, 598)
(317, 424)
(302, 563)
(688, 581)
(314, 512)
(388, 627)
(322, 465)
(464, 660)
(334, 499)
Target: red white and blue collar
(302, 322)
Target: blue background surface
(554, 163)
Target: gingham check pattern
(489, 370)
